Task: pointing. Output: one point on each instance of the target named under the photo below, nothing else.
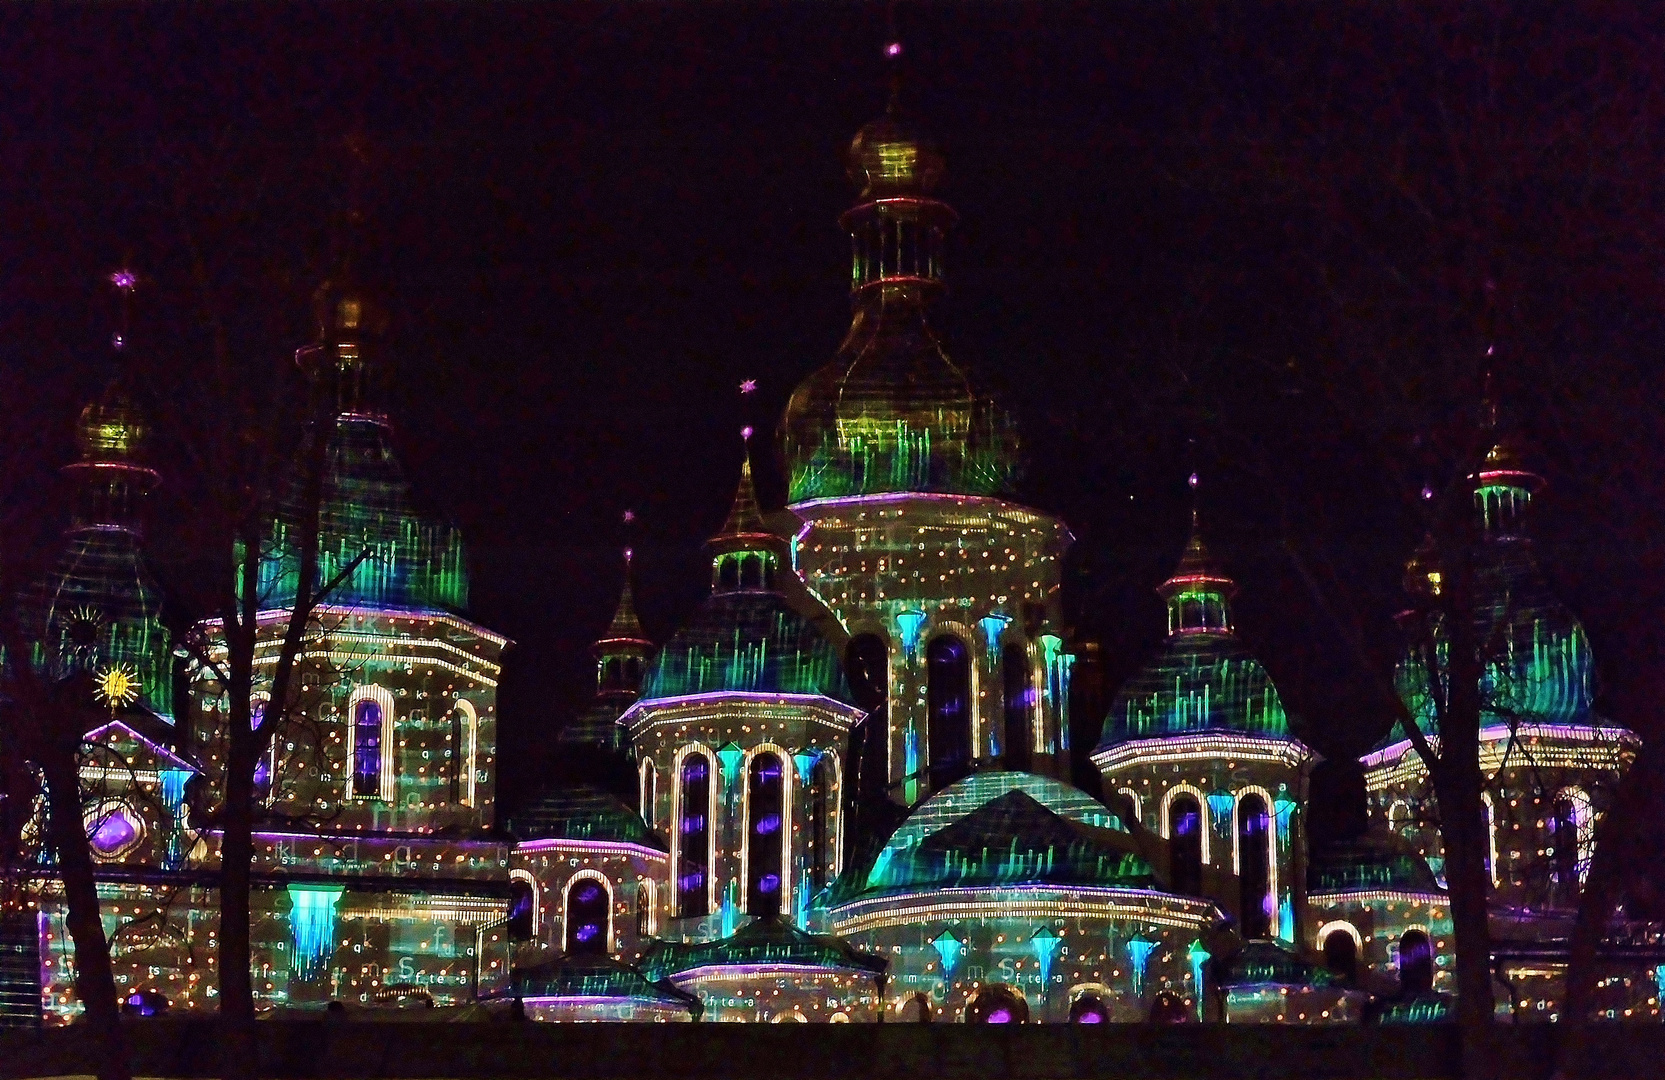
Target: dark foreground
(323, 1048)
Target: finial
(746, 435)
(748, 386)
(124, 281)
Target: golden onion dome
(111, 428)
(893, 156)
(1422, 571)
(346, 311)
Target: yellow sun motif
(118, 685)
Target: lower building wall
(1275, 1004)
(754, 996)
(604, 1010)
(310, 944)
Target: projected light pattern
(312, 921)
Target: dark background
(1245, 239)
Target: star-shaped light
(124, 280)
(629, 516)
(118, 685)
(748, 386)
(746, 432)
(894, 49)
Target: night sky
(1247, 240)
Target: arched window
(367, 749)
(1185, 827)
(948, 700)
(523, 909)
(465, 743)
(1124, 808)
(1563, 828)
(867, 662)
(1168, 1008)
(694, 837)
(821, 856)
(915, 1010)
(1254, 853)
(650, 781)
(728, 573)
(588, 906)
(765, 831)
(644, 909)
(265, 771)
(1416, 963)
(1018, 738)
(1341, 956)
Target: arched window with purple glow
(587, 909)
(1416, 963)
(1254, 853)
(765, 833)
(821, 856)
(367, 749)
(948, 700)
(694, 837)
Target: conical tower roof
(1198, 570)
(625, 627)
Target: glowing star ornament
(124, 280)
(748, 386)
(117, 686)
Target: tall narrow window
(867, 661)
(765, 832)
(1416, 963)
(650, 778)
(694, 837)
(1020, 699)
(459, 765)
(1185, 844)
(1254, 852)
(948, 699)
(523, 905)
(587, 904)
(1490, 809)
(644, 910)
(820, 822)
(367, 749)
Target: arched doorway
(1089, 1009)
(1341, 956)
(587, 910)
(915, 1010)
(1416, 963)
(764, 830)
(997, 1004)
(948, 701)
(1254, 853)
(1185, 827)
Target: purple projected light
(115, 832)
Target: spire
(1199, 591)
(745, 554)
(898, 226)
(1503, 485)
(745, 519)
(621, 653)
(346, 360)
(111, 476)
(625, 625)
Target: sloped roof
(597, 977)
(1199, 682)
(1260, 962)
(764, 941)
(747, 642)
(582, 812)
(1366, 864)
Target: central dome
(892, 413)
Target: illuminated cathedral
(840, 790)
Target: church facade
(840, 791)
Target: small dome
(893, 156)
(111, 428)
(345, 311)
(1543, 672)
(1199, 682)
(1369, 864)
(747, 642)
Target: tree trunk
(95, 981)
(1458, 783)
(237, 1049)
